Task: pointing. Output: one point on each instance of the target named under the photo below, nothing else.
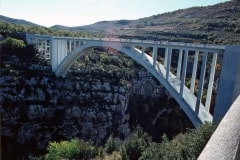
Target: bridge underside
(186, 99)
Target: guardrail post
(229, 84)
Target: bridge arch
(129, 50)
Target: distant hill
(219, 24)
(96, 27)
(17, 21)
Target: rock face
(38, 108)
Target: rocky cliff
(90, 104)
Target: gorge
(105, 93)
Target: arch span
(185, 101)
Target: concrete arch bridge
(189, 58)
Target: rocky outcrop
(41, 109)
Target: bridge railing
(224, 144)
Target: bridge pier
(59, 52)
(229, 84)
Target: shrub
(112, 144)
(150, 153)
(183, 146)
(74, 149)
(197, 139)
(135, 144)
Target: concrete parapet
(225, 141)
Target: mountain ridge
(17, 21)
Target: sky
(84, 12)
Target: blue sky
(83, 12)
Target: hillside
(96, 27)
(16, 21)
(213, 24)
(218, 24)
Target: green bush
(197, 139)
(13, 43)
(135, 144)
(74, 149)
(112, 144)
(150, 153)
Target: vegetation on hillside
(7, 28)
(99, 65)
(217, 24)
(137, 146)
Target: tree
(12, 43)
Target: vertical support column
(54, 53)
(143, 51)
(70, 46)
(168, 62)
(132, 48)
(200, 86)
(74, 44)
(37, 44)
(165, 58)
(64, 49)
(211, 81)
(154, 56)
(60, 50)
(229, 84)
(194, 72)
(179, 63)
(44, 48)
(184, 70)
(51, 51)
